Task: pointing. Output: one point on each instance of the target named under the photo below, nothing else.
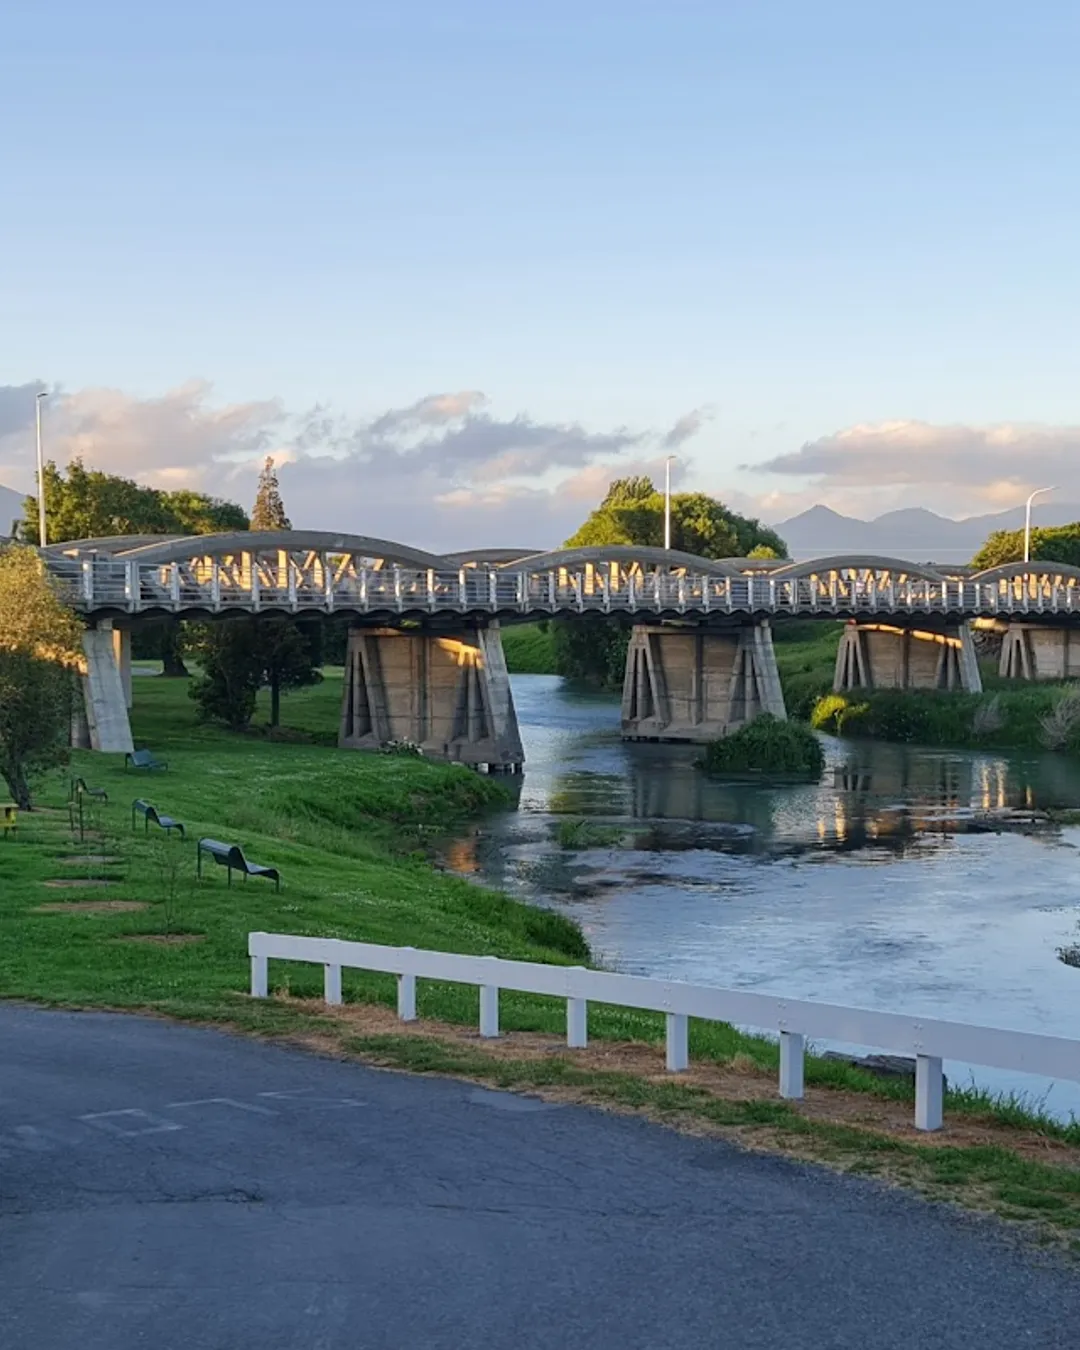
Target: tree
(632, 512)
(40, 654)
(1059, 543)
(90, 504)
(241, 656)
(269, 509)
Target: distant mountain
(914, 533)
(11, 508)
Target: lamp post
(1027, 520)
(667, 501)
(42, 541)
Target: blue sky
(803, 219)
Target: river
(890, 885)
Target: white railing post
(929, 1093)
(406, 996)
(677, 1042)
(255, 584)
(577, 1023)
(290, 570)
(332, 984)
(260, 977)
(489, 1007)
(792, 1060)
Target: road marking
(143, 1120)
(302, 1098)
(221, 1101)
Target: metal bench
(78, 788)
(151, 816)
(144, 759)
(9, 817)
(232, 857)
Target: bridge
(425, 659)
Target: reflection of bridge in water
(425, 659)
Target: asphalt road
(168, 1187)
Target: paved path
(180, 1189)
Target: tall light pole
(667, 501)
(1027, 520)
(42, 541)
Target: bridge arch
(858, 566)
(234, 543)
(624, 558)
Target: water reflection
(908, 879)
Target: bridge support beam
(695, 684)
(1033, 652)
(446, 692)
(102, 722)
(882, 656)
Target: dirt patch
(738, 1080)
(89, 859)
(69, 883)
(91, 907)
(164, 939)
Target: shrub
(1060, 725)
(769, 747)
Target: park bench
(78, 788)
(232, 857)
(151, 816)
(9, 817)
(144, 759)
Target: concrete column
(121, 640)
(1032, 651)
(447, 692)
(886, 656)
(103, 692)
(687, 683)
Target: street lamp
(42, 541)
(1027, 520)
(667, 501)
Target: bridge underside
(697, 684)
(886, 656)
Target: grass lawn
(529, 649)
(349, 833)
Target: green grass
(351, 833)
(806, 658)
(530, 649)
(766, 748)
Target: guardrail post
(792, 1058)
(406, 996)
(929, 1093)
(678, 1042)
(577, 1023)
(489, 1010)
(332, 984)
(260, 977)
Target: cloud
(687, 427)
(991, 464)
(442, 472)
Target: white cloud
(443, 472)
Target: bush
(769, 747)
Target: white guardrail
(928, 1040)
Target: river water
(906, 881)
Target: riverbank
(131, 928)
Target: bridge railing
(928, 1040)
(289, 584)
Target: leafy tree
(632, 512)
(241, 656)
(269, 510)
(40, 652)
(1060, 543)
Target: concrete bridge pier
(686, 683)
(447, 692)
(884, 656)
(100, 719)
(1032, 651)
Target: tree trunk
(172, 663)
(19, 787)
(275, 698)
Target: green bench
(231, 856)
(152, 816)
(144, 759)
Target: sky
(457, 265)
